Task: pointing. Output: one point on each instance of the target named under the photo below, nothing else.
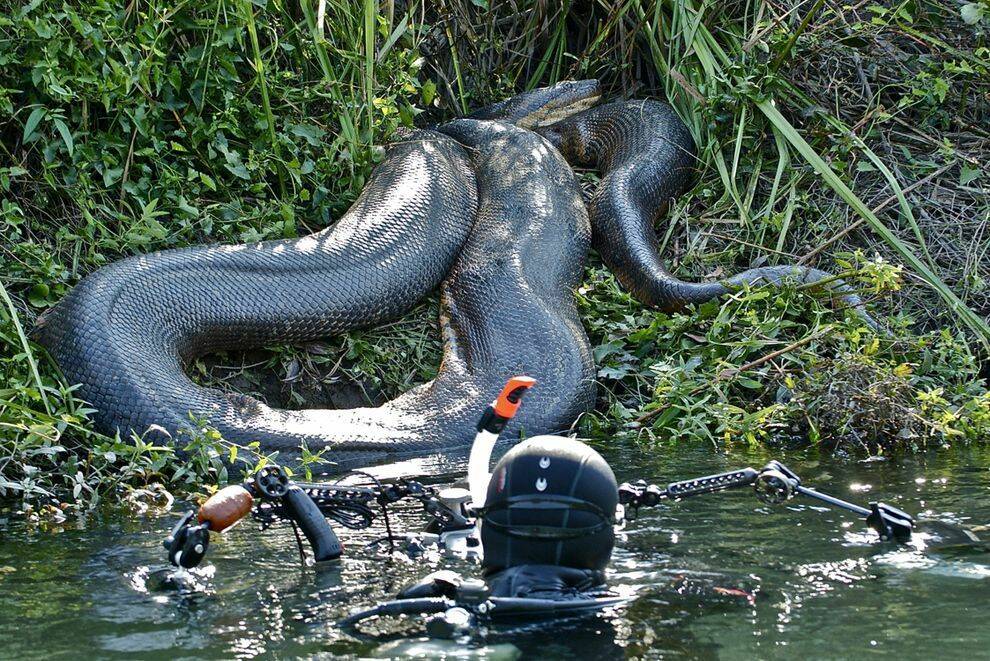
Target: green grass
(851, 138)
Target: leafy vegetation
(778, 369)
(849, 137)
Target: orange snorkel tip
(508, 401)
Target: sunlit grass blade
(976, 323)
(259, 68)
(11, 310)
(370, 18)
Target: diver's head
(551, 501)
(543, 106)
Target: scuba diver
(542, 523)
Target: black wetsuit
(551, 582)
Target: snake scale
(487, 208)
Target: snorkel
(492, 422)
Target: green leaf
(30, 7)
(968, 175)
(972, 13)
(614, 372)
(602, 351)
(428, 92)
(238, 170)
(112, 175)
(65, 133)
(312, 134)
(32, 123)
(148, 210)
(38, 295)
(184, 206)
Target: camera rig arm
(775, 483)
(270, 496)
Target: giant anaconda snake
(487, 208)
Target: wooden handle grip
(226, 507)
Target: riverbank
(850, 138)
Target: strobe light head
(551, 500)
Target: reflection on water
(718, 576)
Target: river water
(821, 585)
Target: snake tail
(646, 157)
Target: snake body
(487, 206)
(646, 158)
(127, 331)
(509, 246)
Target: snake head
(543, 106)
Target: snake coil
(485, 207)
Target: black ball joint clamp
(187, 543)
(189, 540)
(774, 484)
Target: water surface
(823, 586)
